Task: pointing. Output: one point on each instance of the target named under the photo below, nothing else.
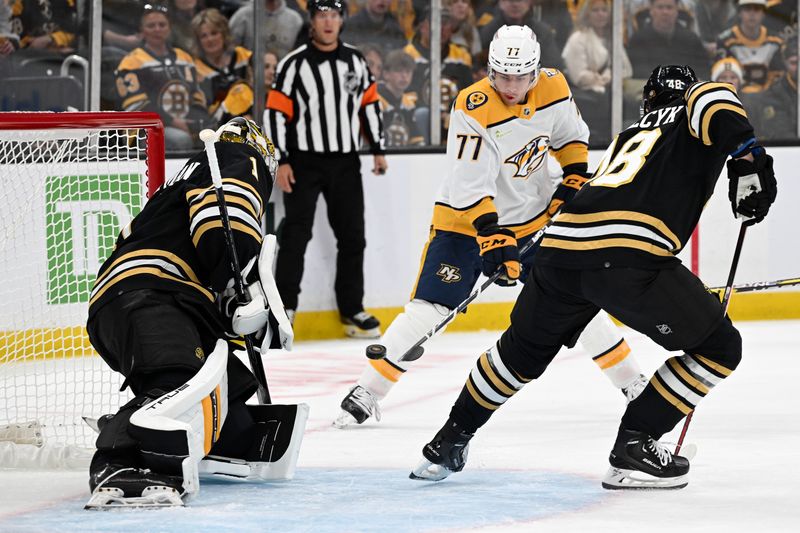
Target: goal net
(69, 182)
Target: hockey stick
(378, 351)
(209, 138)
(726, 299)
(761, 285)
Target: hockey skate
(445, 454)
(639, 461)
(361, 325)
(126, 487)
(633, 389)
(357, 407)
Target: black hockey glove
(566, 190)
(752, 187)
(498, 248)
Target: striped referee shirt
(320, 102)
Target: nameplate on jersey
(658, 117)
(476, 99)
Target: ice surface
(536, 466)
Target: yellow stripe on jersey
(128, 102)
(571, 153)
(727, 95)
(152, 271)
(459, 220)
(238, 226)
(431, 235)
(605, 243)
(229, 199)
(151, 252)
(622, 216)
(530, 227)
(662, 390)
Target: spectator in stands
(756, 47)
(519, 12)
(587, 58)
(777, 118)
(120, 28)
(587, 55)
(662, 41)
(556, 14)
(456, 63)
(782, 17)
(280, 30)
(270, 66)
(157, 77)
(466, 33)
(637, 14)
(398, 104)
(480, 65)
(181, 13)
(224, 70)
(46, 30)
(9, 41)
(728, 70)
(713, 17)
(374, 56)
(375, 24)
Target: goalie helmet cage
(69, 182)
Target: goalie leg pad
(180, 427)
(418, 318)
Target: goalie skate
(359, 405)
(130, 488)
(638, 461)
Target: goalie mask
(665, 84)
(514, 50)
(245, 131)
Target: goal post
(69, 182)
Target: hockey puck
(376, 351)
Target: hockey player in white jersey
(497, 194)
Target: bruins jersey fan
(608, 251)
(677, 150)
(760, 57)
(497, 191)
(167, 85)
(56, 19)
(227, 90)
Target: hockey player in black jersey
(614, 247)
(156, 315)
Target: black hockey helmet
(244, 131)
(326, 5)
(665, 84)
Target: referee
(323, 96)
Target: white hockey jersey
(497, 155)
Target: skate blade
(428, 471)
(344, 420)
(355, 332)
(622, 479)
(152, 498)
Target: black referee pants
(338, 178)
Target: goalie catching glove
(574, 178)
(263, 315)
(498, 248)
(752, 187)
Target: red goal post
(69, 182)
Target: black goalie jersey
(177, 245)
(648, 192)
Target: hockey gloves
(752, 187)
(569, 186)
(498, 248)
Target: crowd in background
(190, 60)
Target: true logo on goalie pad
(449, 274)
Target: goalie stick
(378, 351)
(726, 300)
(209, 138)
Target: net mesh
(64, 197)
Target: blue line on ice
(333, 500)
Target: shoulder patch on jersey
(134, 60)
(551, 88)
(476, 99)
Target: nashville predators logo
(175, 100)
(449, 274)
(476, 99)
(530, 157)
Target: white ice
(536, 466)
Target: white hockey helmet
(514, 50)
